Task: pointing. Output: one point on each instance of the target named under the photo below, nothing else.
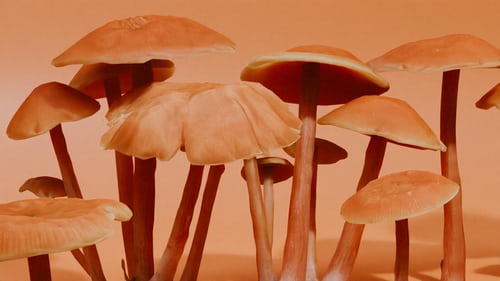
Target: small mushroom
(398, 197)
(309, 76)
(490, 99)
(44, 186)
(447, 54)
(36, 227)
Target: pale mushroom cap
(40, 226)
(214, 123)
(490, 99)
(47, 106)
(449, 52)
(44, 186)
(142, 38)
(90, 77)
(327, 151)
(280, 168)
(398, 196)
(342, 75)
(387, 117)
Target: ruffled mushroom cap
(143, 38)
(47, 106)
(398, 196)
(387, 117)
(449, 52)
(90, 77)
(40, 226)
(342, 75)
(490, 99)
(214, 123)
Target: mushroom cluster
(130, 63)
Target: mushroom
(180, 115)
(44, 186)
(123, 42)
(374, 116)
(398, 197)
(490, 99)
(271, 170)
(47, 106)
(36, 227)
(310, 76)
(325, 152)
(447, 54)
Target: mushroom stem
(72, 189)
(39, 268)
(259, 222)
(402, 250)
(143, 202)
(295, 249)
(193, 262)
(180, 230)
(268, 183)
(311, 274)
(342, 262)
(124, 174)
(453, 267)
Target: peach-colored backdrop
(33, 32)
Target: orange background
(34, 32)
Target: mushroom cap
(327, 151)
(215, 123)
(39, 226)
(47, 106)
(387, 117)
(280, 169)
(44, 186)
(90, 77)
(490, 99)
(449, 52)
(342, 75)
(398, 196)
(142, 38)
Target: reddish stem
(39, 268)
(311, 273)
(144, 209)
(72, 189)
(402, 250)
(453, 267)
(296, 243)
(193, 262)
(259, 222)
(342, 262)
(268, 199)
(180, 230)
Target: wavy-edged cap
(342, 75)
(398, 196)
(387, 117)
(39, 226)
(490, 99)
(215, 123)
(449, 52)
(90, 78)
(143, 38)
(47, 106)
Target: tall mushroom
(447, 54)
(208, 120)
(397, 197)
(383, 119)
(141, 40)
(310, 76)
(36, 227)
(44, 110)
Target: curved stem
(193, 262)
(342, 262)
(402, 250)
(180, 230)
(259, 222)
(453, 268)
(295, 251)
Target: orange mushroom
(490, 99)
(44, 186)
(375, 116)
(310, 76)
(447, 54)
